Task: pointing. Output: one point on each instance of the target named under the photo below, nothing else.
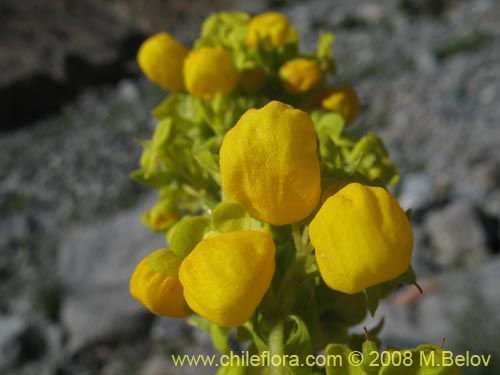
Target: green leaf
(370, 357)
(228, 217)
(207, 162)
(187, 234)
(220, 338)
(339, 360)
(157, 179)
(329, 124)
(298, 345)
(423, 360)
(162, 135)
(372, 160)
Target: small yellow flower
(344, 101)
(207, 71)
(226, 276)
(161, 58)
(362, 237)
(300, 75)
(273, 26)
(269, 164)
(156, 285)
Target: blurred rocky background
(73, 104)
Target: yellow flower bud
(156, 285)
(300, 75)
(207, 71)
(269, 164)
(226, 276)
(344, 101)
(362, 237)
(272, 26)
(161, 58)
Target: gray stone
(95, 264)
(418, 190)
(457, 235)
(11, 327)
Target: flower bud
(156, 285)
(300, 75)
(344, 101)
(226, 276)
(272, 26)
(161, 58)
(362, 238)
(207, 71)
(269, 164)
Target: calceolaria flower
(362, 237)
(272, 26)
(209, 70)
(344, 101)
(161, 59)
(155, 284)
(226, 276)
(300, 75)
(269, 164)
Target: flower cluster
(276, 215)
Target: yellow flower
(362, 237)
(161, 58)
(344, 101)
(207, 71)
(300, 75)
(226, 276)
(269, 164)
(272, 26)
(156, 285)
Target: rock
(157, 364)
(465, 310)
(417, 192)
(95, 264)
(11, 328)
(457, 235)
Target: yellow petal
(362, 237)
(156, 285)
(300, 75)
(207, 71)
(272, 26)
(344, 101)
(226, 276)
(269, 164)
(161, 59)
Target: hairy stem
(277, 348)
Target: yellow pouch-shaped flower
(300, 75)
(226, 276)
(209, 70)
(161, 59)
(362, 237)
(272, 26)
(345, 102)
(156, 285)
(269, 164)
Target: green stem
(277, 347)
